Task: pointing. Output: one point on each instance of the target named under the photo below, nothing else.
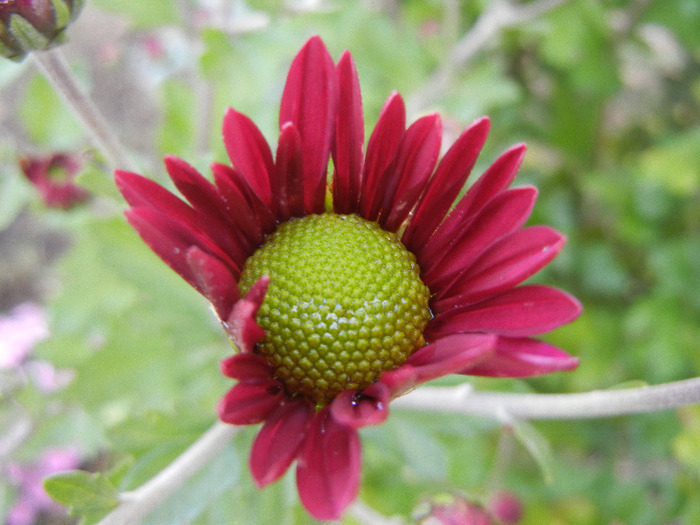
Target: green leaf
(538, 446)
(83, 492)
(153, 13)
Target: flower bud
(449, 509)
(54, 178)
(507, 507)
(33, 25)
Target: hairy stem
(595, 404)
(55, 68)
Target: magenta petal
(309, 101)
(362, 408)
(494, 180)
(413, 165)
(328, 467)
(446, 183)
(447, 355)
(522, 311)
(505, 213)
(349, 139)
(241, 325)
(507, 263)
(250, 403)
(249, 152)
(278, 441)
(214, 279)
(381, 148)
(288, 176)
(522, 357)
(246, 367)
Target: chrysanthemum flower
(341, 297)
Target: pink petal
(505, 213)
(444, 356)
(521, 357)
(288, 177)
(362, 408)
(522, 311)
(328, 467)
(278, 441)
(249, 152)
(241, 325)
(381, 148)
(349, 139)
(445, 185)
(414, 163)
(507, 263)
(246, 367)
(214, 279)
(250, 403)
(309, 101)
(494, 180)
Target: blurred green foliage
(605, 94)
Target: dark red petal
(444, 356)
(522, 311)
(250, 368)
(414, 163)
(262, 213)
(241, 325)
(522, 357)
(278, 441)
(171, 240)
(328, 467)
(362, 408)
(214, 279)
(249, 152)
(505, 213)
(250, 403)
(288, 178)
(494, 180)
(381, 148)
(309, 101)
(349, 139)
(445, 185)
(505, 264)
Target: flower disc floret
(345, 303)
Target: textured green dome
(345, 303)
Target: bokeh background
(124, 372)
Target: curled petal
(522, 357)
(278, 441)
(505, 264)
(250, 368)
(446, 183)
(214, 279)
(328, 467)
(250, 403)
(381, 148)
(241, 325)
(309, 101)
(445, 356)
(248, 151)
(349, 138)
(362, 408)
(522, 311)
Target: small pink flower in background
(32, 499)
(54, 178)
(20, 331)
(452, 510)
(506, 507)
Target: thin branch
(595, 404)
(139, 503)
(55, 68)
(499, 15)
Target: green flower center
(345, 303)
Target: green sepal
(26, 35)
(62, 12)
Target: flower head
(33, 25)
(340, 297)
(54, 178)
